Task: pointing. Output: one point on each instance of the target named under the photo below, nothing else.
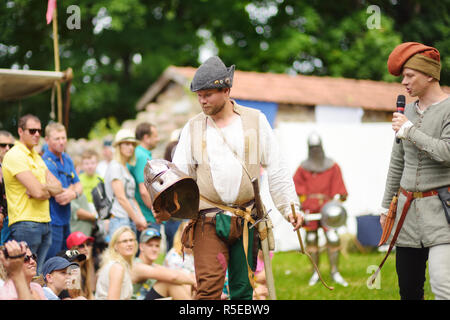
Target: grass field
(292, 271)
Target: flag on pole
(51, 6)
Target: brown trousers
(213, 255)
(210, 260)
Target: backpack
(101, 202)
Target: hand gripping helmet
(172, 190)
(334, 214)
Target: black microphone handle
(400, 108)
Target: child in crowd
(88, 176)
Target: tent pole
(57, 66)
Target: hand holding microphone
(400, 109)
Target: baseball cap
(148, 234)
(76, 238)
(56, 263)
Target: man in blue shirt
(61, 165)
(147, 135)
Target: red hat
(76, 238)
(429, 62)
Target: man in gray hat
(223, 149)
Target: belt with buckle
(419, 194)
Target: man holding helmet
(223, 149)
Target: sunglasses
(4, 145)
(27, 258)
(83, 245)
(152, 233)
(33, 131)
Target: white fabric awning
(18, 84)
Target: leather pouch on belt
(187, 237)
(444, 195)
(390, 219)
(229, 228)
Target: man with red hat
(419, 173)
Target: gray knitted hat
(212, 74)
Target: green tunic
(421, 162)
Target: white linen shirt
(226, 170)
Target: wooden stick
(57, 67)
(302, 248)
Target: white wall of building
(362, 150)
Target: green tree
(122, 47)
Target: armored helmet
(171, 189)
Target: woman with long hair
(120, 185)
(114, 276)
(84, 245)
(19, 275)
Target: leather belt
(410, 197)
(419, 194)
(211, 212)
(319, 196)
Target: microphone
(400, 107)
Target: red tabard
(319, 188)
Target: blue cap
(56, 263)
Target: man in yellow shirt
(6, 143)
(29, 185)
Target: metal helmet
(316, 161)
(171, 189)
(314, 139)
(334, 214)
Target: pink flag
(50, 8)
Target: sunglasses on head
(27, 258)
(33, 131)
(4, 145)
(152, 233)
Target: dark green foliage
(113, 66)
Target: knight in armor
(318, 180)
(223, 149)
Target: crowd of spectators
(54, 245)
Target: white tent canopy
(18, 84)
